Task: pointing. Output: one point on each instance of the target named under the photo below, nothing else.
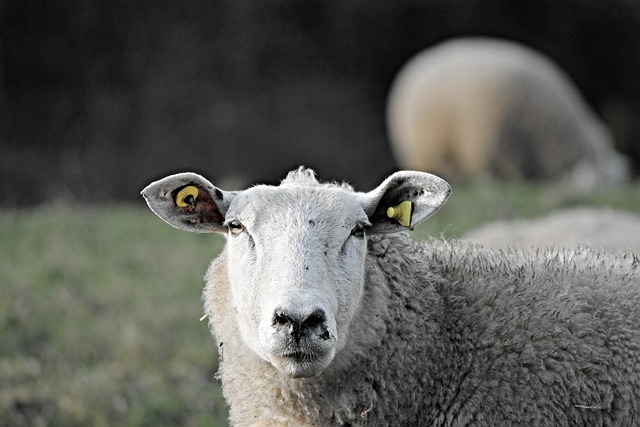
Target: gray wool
(451, 333)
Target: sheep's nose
(298, 325)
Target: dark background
(99, 97)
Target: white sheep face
(296, 263)
(295, 253)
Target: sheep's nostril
(325, 335)
(314, 320)
(281, 319)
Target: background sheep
(477, 107)
(326, 313)
(601, 227)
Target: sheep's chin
(305, 367)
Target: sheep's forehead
(296, 206)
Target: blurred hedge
(99, 96)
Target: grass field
(100, 305)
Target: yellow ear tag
(187, 196)
(402, 213)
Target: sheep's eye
(358, 231)
(236, 227)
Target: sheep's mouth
(299, 356)
(301, 364)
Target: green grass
(99, 308)
(99, 321)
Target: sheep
(600, 227)
(326, 312)
(483, 108)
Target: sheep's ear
(404, 200)
(189, 202)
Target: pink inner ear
(205, 209)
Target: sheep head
(296, 252)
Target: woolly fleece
(450, 333)
(476, 108)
